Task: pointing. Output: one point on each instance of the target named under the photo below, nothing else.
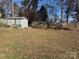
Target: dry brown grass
(38, 43)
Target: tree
(25, 2)
(20, 12)
(61, 10)
(52, 9)
(2, 11)
(28, 4)
(15, 9)
(77, 12)
(69, 4)
(30, 7)
(60, 3)
(7, 7)
(43, 14)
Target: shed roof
(15, 18)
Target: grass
(38, 44)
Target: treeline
(66, 8)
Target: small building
(17, 21)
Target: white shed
(17, 21)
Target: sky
(17, 1)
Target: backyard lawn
(38, 44)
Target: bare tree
(77, 13)
(7, 6)
(69, 9)
(61, 10)
(29, 3)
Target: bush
(3, 25)
(39, 24)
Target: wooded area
(69, 9)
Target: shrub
(3, 25)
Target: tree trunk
(77, 11)
(61, 10)
(48, 23)
(77, 18)
(27, 9)
(67, 19)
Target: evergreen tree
(43, 14)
